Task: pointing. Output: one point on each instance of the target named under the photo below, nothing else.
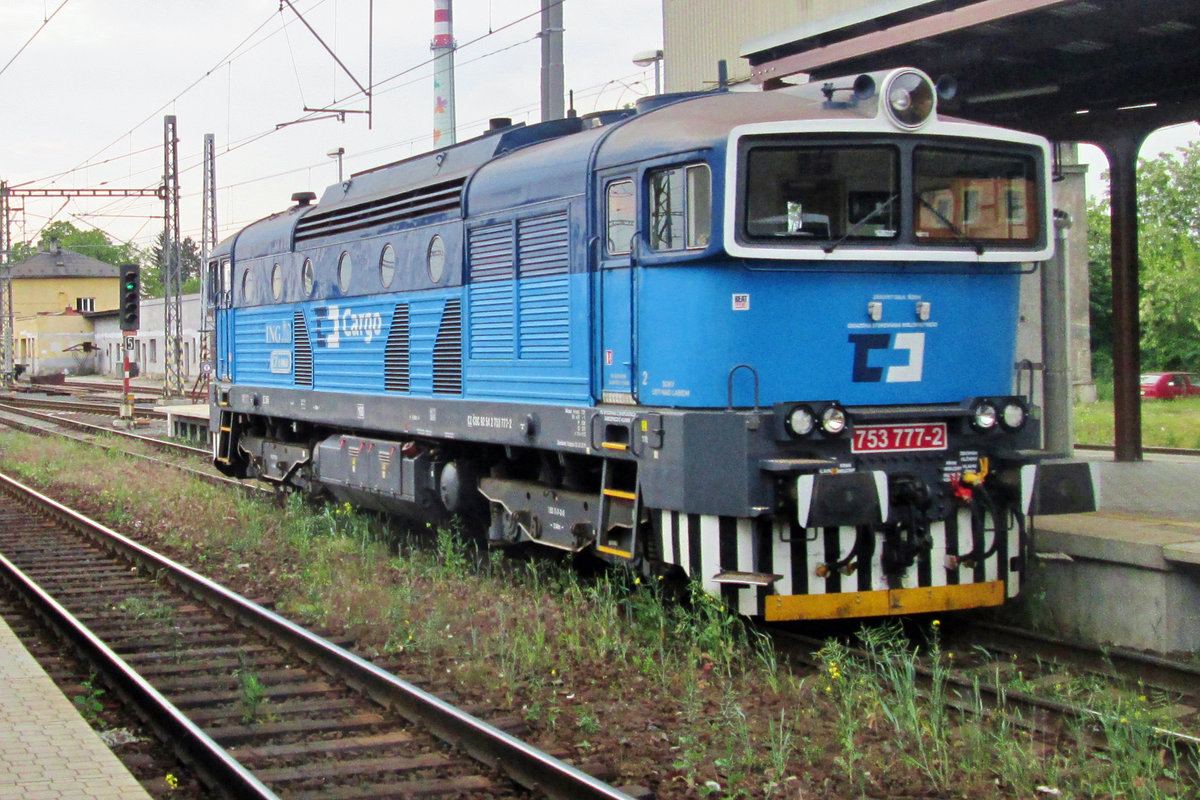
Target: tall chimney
(443, 74)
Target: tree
(94, 244)
(1169, 256)
(1099, 233)
(154, 273)
(1168, 196)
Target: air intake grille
(303, 359)
(395, 359)
(544, 244)
(447, 351)
(439, 197)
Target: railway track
(257, 705)
(1155, 673)
(110, 408)
(38, 421)
(174, 455)
(974, 681)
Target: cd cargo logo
(887, 357)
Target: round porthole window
(276, 281)
(435, 258)
(307, 278)
(345, 268)
(387, 266)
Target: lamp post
(341, 151)
(648, 57)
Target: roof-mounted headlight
(910, 98)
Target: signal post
(129, 312)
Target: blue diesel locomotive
(765, 341)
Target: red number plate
(899, 438)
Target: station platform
(188, 422)
(47, 750)
(1129, 573)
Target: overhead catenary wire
(28, 41)
(390, 84)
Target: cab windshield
(822, 193)
(978, 196)
(908, 193)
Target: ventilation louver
(303, 357)
(447, 351)
(436, 198)
(395, 359)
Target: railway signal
(128, 310)
(130, 301)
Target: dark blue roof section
(520, 165)
(549, 170)
(698, 122)
(270, 236)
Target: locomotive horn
(864, 87)
(947, 87)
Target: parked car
(1169, 385)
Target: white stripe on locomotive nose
(1014, 551)
(937, 555)
(685, 546)
(747, 596)
(879, 579)
(710, 553)
(666, 529)
(815, 548)
(781, 556)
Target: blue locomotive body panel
(807, 336)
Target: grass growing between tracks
(677, 696)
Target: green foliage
(154, 268)
(1099, 237)
(252, 694)
(93, 244)
(1168, 196)
(88, 703)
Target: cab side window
(620, 217)
(680, 207)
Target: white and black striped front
(705, 546)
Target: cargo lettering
(366, 326)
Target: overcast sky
(83, 103)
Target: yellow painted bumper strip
(884, 602)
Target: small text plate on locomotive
(899, 438)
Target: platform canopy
(1108, 72)
(1072, 70)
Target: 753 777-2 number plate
(899, 438)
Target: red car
(1169, 385)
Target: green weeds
(711, 705)
(88, 702)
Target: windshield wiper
(962, 237)
(879, 209)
